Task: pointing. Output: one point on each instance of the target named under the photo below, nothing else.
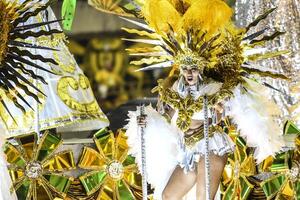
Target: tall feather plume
(160, 15)
(206, 15)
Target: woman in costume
(212, 63)
(191, 168)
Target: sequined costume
(192, 147)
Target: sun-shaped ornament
(285, 183)
(20, 57)
(235, 176)
(114, 174)
(36, 169)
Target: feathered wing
(161, 147)
(255, 114)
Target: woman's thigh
(217, 164)
(179, 184)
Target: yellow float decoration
(36, 169)
(236, 173)
(285, 184)
(114, 173)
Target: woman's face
(190, 74)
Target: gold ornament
(240, 166)
(285, 184)
(186, 106)
(36, 169)
(114, 173)
(67, 82)
(6, 16)
(190, 59)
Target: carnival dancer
(190, 147)
(212, 66)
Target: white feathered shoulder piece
(255, 116)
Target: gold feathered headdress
(177, 28)
(200, 30)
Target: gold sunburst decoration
(285, 183)
(36, 168)
(6, 16)
(240, 167)
(17, 60)
(113, 173)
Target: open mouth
(189, 78)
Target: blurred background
(96, 42)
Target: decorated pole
(206, 137)
(143, 152)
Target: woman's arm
(164, 109)
(218, 110)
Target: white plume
(254, 114)
(161, 147)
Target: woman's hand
(141, 120)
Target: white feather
(249, 52)
(142, 25)
(156, 66)
(254, 113)
(161, 148)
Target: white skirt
(219, 144)
(165, 148)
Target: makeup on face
(190, 73)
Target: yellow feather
(160, 14)
(207, 15)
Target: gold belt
(191, 139)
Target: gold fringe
(273, 54)
(141, 33)
(144, 50)
(151, 60)
(265, 73)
